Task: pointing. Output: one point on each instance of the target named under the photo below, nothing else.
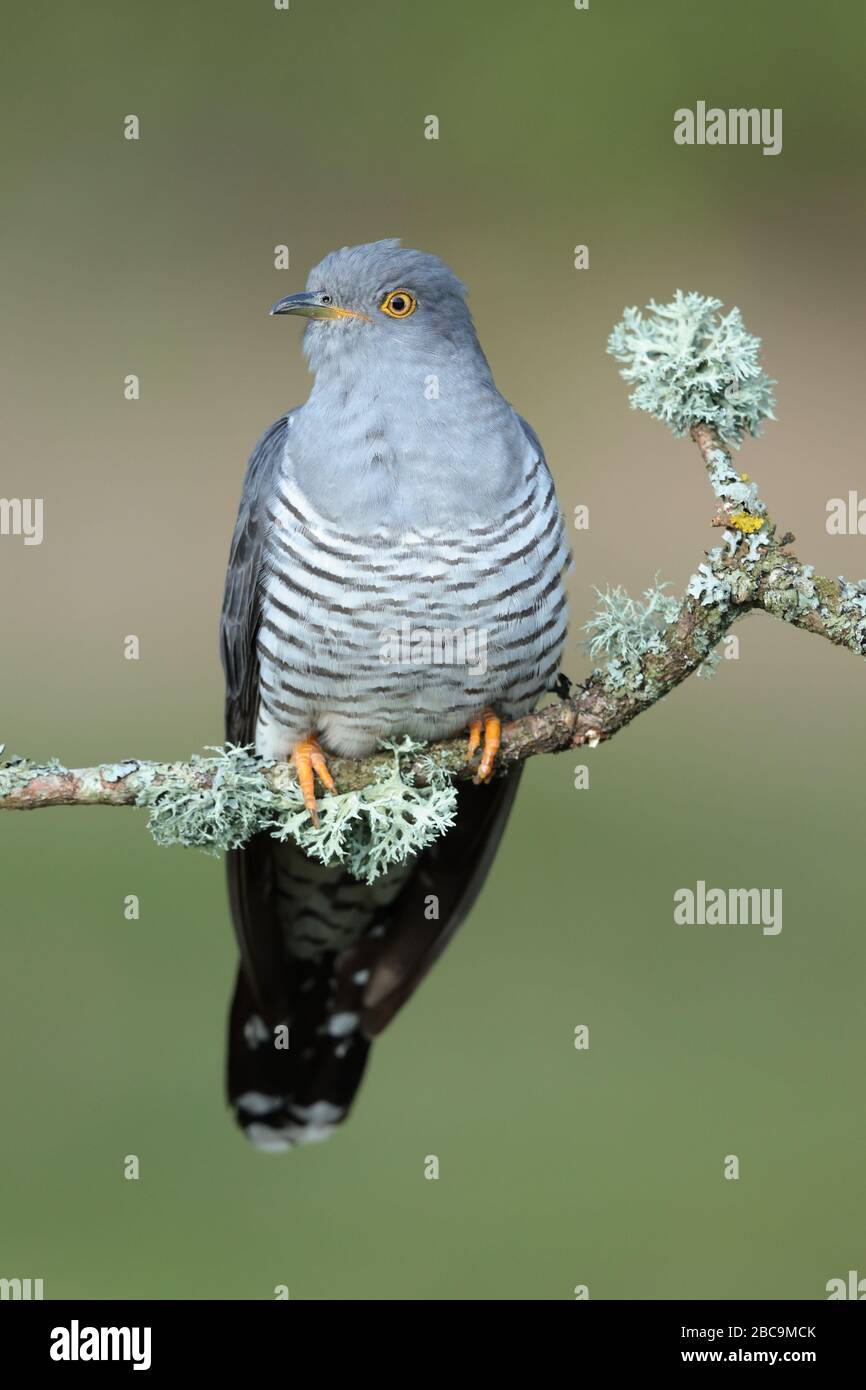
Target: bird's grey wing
(250, 870)
(241, 602)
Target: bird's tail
(326, 963)
(290, 1082)
(296, 1050)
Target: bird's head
(382, 297)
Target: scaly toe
(492, 739)
(309, 763)
(474, 738)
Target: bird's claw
(309, 762)
(489, 724)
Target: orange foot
(309, 763)
(489, 723)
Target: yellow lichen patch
(745, 523)
(744, 478)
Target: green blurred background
(557, 1167)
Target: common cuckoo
(405, 494)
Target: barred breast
(367, 636)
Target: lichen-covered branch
(700, 374)
(753, 570)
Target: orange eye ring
(399, 304)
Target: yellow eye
(399, 304)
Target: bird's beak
(309, 306)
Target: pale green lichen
(367, 830)
(231, 802)
(709, 588)
(756, 544)
(16, 772)
(847, 622)
(116, 772)
(380, 825)
(737, 489)
(703, 645)
(792, 595)
(627, 630)
(690, 364)
(709, 666)
(742, 585)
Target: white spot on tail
(319, 1119)
(257, 1103)
(255, 1032)
(316, 1122)
(339, 1025)
(272, 1141)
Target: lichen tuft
(690, 364)
(367, 830)
(381, 825)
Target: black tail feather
(290, 1082)
(303, 1014)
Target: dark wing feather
(250, 870)
(241, 603)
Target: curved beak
(309, 307)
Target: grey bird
(406, 495)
